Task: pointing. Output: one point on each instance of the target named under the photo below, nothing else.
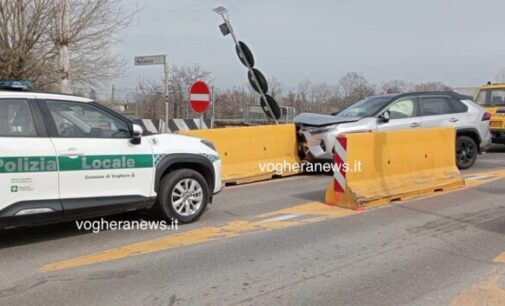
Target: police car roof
(19, 94)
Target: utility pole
(63, 40)
(187, 106)
(214, 101)
(166, 95)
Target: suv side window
(458, 106)
(405, 108)
(432, 106)
(16, 119)
(83, 120)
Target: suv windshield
(492, 97)
(365, 108)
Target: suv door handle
(72, 153)
(415, 124)
(453, 120)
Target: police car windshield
(365, 108)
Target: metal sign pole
(167, 109)
(157, 60)
(213, 101)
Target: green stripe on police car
(51, 163)
(104, 162)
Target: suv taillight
(487, 116)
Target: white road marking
(280, 218)
(480, 177)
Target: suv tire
(466, 152)
(184, 195)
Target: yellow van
(492, 98)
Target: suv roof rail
(437, 93)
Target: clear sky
(460, 42)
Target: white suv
(317, 133)
(64, 157)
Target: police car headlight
(209, 144)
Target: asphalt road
(270, 243)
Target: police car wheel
(184, 195)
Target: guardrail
(255, 115)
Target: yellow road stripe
(487, 293)
(476, 179)
(307, 213)
(500, 258)
(311, 212)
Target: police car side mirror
(137, 134)
(385, 117)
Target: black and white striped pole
(256, 78)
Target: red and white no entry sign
(199, 97)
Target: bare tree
(150, 99)
(322, 96)
(432, 86)
(180, 80)
(231, 102)
(354, 87)
(84, 36)
(276, 87)
(26, 50)
(395, 86)
(53, 41)
(289, 99)
(302, 95)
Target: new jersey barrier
(394, 166)
(254, 153)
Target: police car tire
(168, 183)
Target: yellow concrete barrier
(256, 153)
(393, 166)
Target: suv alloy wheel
(466, 152)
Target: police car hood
(177, 138)
(174, 143)
(321, 120)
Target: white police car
(64, 157)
